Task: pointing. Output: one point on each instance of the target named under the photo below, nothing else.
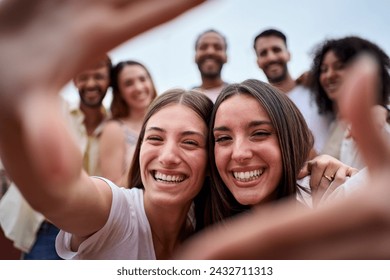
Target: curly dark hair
(346, 49)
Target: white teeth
(332, 86)
(168, 178)
(248, 175)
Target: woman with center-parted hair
(353, 227)
(133, 91)
(149, 220)
(259, 142)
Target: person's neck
(286, 85)
(168, 230)
(93, 117)
(208, 83)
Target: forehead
(100, 67)
(240, 108)
(329, 57)
(269, 42)
(177, 117)
(133, 70)
(211, 38)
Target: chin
(251, 200)
(247, 201)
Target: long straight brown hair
(294, 137)
(202, 106)
(119, 107)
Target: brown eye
(191, 142)
(222, 139)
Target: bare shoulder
(112, 136)
(112, 127)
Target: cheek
(146, 155)
(197, 56)
(105, 83)
(272, 155)
(341, 75)
(275, 158)
(198, 163)
(260, 62)
(284, 57)
(148, 84)
(221, 158)
(151, 93)
(127, 93)
(129, 97)
(322, 80)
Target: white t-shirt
(125, 236)
(212, 93)
(318, 124)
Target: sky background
(168, 50)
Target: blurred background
(168, 50)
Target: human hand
(63, 37)
(326, 174)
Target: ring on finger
(329, 178)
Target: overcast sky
(168, 50)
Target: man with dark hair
(272, 57)
(87, 118)
(210, 56)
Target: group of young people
(195, 163)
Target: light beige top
(89, 145)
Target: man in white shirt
(210, 56)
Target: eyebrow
(250, 125)
(155, 128)
(184, 133)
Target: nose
(330, 73)
(169, 154)
(138, 85)
(241, 151)
(210, 50)
(269, 56)
(90, 83)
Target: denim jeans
(44, 246)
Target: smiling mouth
(274, 65)
(248, 175)
(92, 93)
(160, 177)
(331, 87)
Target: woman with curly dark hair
(329, 70)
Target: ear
(74, 82)
(288, 55)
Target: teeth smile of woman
(168, 178)
(248, 175)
